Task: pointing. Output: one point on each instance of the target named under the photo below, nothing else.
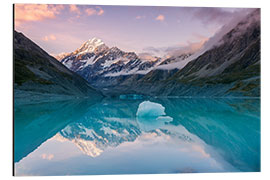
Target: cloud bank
(35, 12)
(94, 11)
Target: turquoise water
(137, 136)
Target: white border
(6, 85)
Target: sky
(142, 29)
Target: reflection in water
(123, 136)
(36, 123)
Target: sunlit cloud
(90, 11)
(47, 156)
(35, 12)
(73, 8)
(101, 11)
(94, 11)
(49, 37)
(160, 17)
(70, 23)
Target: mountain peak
(95, 41)
(90, 46)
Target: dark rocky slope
(38, 75)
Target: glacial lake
(137, 136)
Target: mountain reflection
(226, 130)
(35, 123)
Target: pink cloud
(90, 11)
(160, 17)
(94, 11)
(100, 12)
(35, 12)
(74, 8)
(49, 37)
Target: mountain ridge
(40, 76)
(231, 68)
(228, 65)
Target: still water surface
(126, 136)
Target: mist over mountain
(231, 67)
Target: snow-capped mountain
(94, 59)
(99, 64)
(227, 64)
(90, 46)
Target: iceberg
(150, 109)
(151, 116)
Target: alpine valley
(228, 65)
(187, 100)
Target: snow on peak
(95, 41)
(90, 46)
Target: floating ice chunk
(151, 116)
(150, 109)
